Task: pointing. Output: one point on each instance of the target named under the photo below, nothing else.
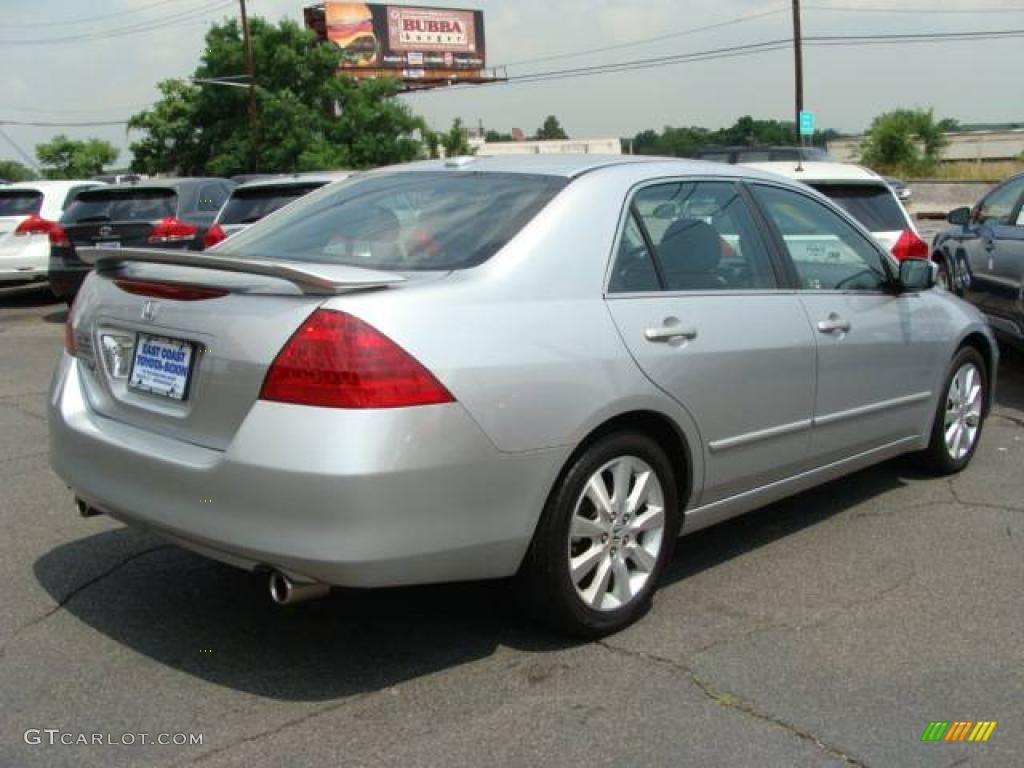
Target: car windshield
(248, 205)
(401, 221)
(873, 205)
(137, 204)
(20, 202)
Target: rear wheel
(960, 415)
(604, 538)
(944, 279)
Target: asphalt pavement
(828, 629)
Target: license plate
(162, 366)
(108, 244)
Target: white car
(864, 195)
(29, 211)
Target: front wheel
(960, 415)
(604, 538)
(944, 278)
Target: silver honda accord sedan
(543, 367)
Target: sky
(974, 81)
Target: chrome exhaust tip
(285, 591)
(85, 510)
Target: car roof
(53, 185)
(296, 179)
(819, 171)
(170, 183)
(569, 165)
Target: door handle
(669, 332)
(833, 324)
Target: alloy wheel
(963, 411)
(616, 533)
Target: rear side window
(20, 202)
(402, 221)
(246, 206)
(704, 238)
(138, 204)
(872, 205)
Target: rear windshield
(402, 221)
(872, 205)
(20, 202)
(144, 204)
(248, 205)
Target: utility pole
(799, 61)
(254, 127)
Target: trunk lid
(217, 348)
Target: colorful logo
(958, 730)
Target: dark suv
(162, 213)
(760, 154)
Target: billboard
(409, 42)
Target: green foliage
(746, 131)
(12, 170)
(454, 141)
(497, 136)
(905, 141)
(309, 117)
(551, 130)
(64, 158)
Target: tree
(905, 141)
(746, 131)
(551, 129)
(12, 170)
(454, 141)
(64, 158)
(310, 118)
(495, 137)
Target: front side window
(402, 221)
(704, 237)
(1000, 203)
(827, 252)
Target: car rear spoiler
(312, 279)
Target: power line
(907, 9)
(137, 28)
(88, 124)
(88, 19)
(646, 40)
(17, 148)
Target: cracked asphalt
(827, 629)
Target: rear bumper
(367, 499)
(28, 261)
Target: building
(558, 146)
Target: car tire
(595, 561)
(959, 415)
(944, 279)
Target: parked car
(544, 367)
(900, 188)
(864, 195)
(253, 200)
(981, 257)
(159, 213)
(28, 213)
(763, 154)
(120, 178)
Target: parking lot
(828, 629)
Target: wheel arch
(988, 351)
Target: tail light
(36, 225)
(335, 360)
(214, 235)
(59, 237)
(69, 332)
(172, 230)
(909, 246)
(172, 291)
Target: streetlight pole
(799, 61)
(254, 128)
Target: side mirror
(918, 274)
(959, 217)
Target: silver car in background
(543, 367)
